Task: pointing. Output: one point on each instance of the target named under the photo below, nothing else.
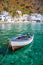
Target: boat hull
(16, 47)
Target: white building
(36, 17)
(42, 18)
(26, 17)
(2, 17)
(5, 13)
(5, 16)
(19, 13)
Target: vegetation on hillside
(26, 6)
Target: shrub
(0, 19)
(5, 8)
(17, 2)
(28, 7)
(22, 4)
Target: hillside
(26, 6)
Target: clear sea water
(31, 54)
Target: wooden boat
(21, 40)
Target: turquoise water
(29, 55)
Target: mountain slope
(26, 6)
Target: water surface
(29, 55)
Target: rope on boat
(5, 55)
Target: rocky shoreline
(6, 22)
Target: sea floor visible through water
(31, 54)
